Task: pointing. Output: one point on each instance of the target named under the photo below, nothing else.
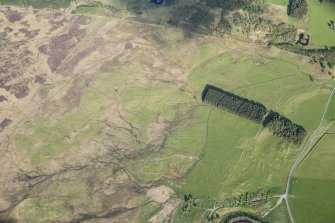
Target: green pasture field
(320, 15)
(224, 154)
(313, 198)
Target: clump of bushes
(297, 8)
(285, 128)
(233, 103)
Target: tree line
(254, 111)
(238, 214)
(324, 56)
(233, 103)
(284, 128)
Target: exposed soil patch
(160, 194)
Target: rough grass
(119, 4)
(51, 136)
(44, 209)
(143, 104)
(147, 211)
(319, 16)
(279, 215)
(39, 3)
(278, 2)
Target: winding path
(289, 179)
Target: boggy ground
(69, 131)
(104, 112)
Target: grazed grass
(320, 15)
(312, 189)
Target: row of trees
(276, 123)
(321, 55)
(285, 128)
(233, 103)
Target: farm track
(297, 161)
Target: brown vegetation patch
(43, 49)
(61, 45)
(12, 15)
(15, 58)
(8, 29)
(3, 98)
(41, 79)
(79, 21)
(5, 123)
(29, 34)
(20, 90)
(68, 67)
(74, 94)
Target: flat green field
(319, 17)
(312, 192)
